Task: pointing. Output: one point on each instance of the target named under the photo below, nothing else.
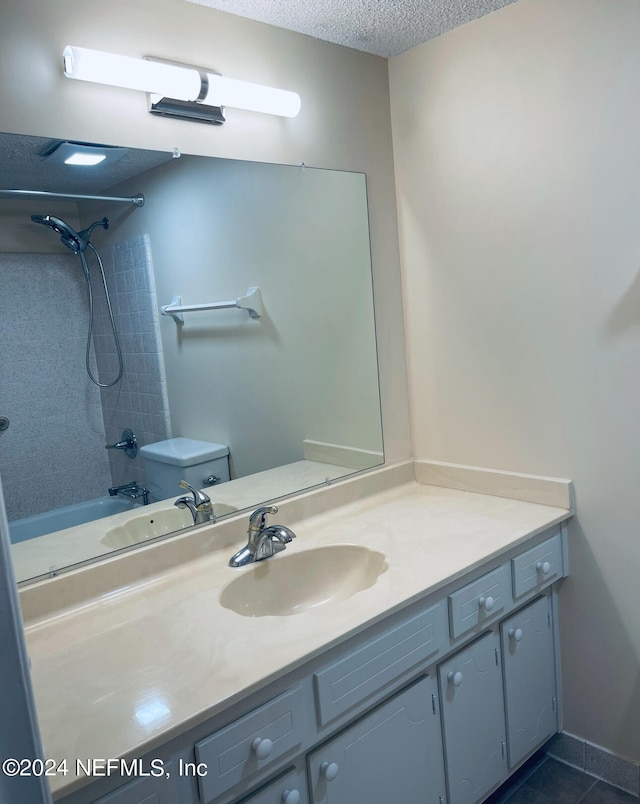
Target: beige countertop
(121, 673)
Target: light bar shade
(98, 67)
(176, 81)
(252, 97)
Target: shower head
(67, 235)
(76, 241)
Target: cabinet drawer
(286, 789)
(147, 790)
(245, 749)
(479, 601)
(537, 567)
(363, 672)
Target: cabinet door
(393, 754)
(529, 678)
(473, 720)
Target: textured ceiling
(23, 167)
(383, 27)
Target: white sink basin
(148, 526)
(290, 583)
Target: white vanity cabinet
(393, 754)
(498, 693)
(499, 701)
(435, 703)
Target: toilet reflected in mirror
(200, 463)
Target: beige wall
(517, 147)
(344, 122)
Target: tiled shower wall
(139, 401)
(53, 452)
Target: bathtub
(20, 530)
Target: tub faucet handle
(128, 443)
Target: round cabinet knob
(486, 603)
(515, 634)
(544, 567)
(261, 747)
(329, 770)
(291, 797)
(454, 678)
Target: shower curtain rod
(138, 200)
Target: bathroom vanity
(429, 675)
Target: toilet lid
(183, 451)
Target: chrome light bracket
(194, 110)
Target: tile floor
(543, 780)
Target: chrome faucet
(131, 490)
(263, 541)
(200, 505)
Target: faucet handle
(128, 443)
(258, 519)
(199, 497)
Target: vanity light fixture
(176, 89)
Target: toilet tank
(175, 459)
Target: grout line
(588, 790)
(535, 767)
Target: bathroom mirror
(293, 394)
